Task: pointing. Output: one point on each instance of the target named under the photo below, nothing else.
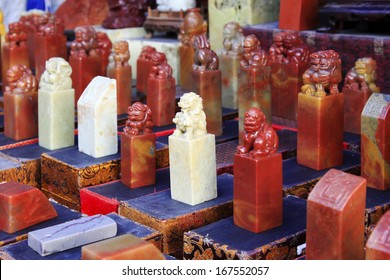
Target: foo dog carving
(147, 52)
(192, 25)
(120, 55)
(16, 35)
(56, 75)
(253, 55)
(161, 69)
(85, 43)
(288, 47)
(362, 76)
(191, 120)
(259, 138)
(139, 120)
(204, 57)
(232, 39)
(323, 75)
(20, 79)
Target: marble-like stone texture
(378, 244)
(167, 46)
(335, 217)
(71, 234)
(230, 69)
(22, 206)
(298, 14)
(124, 247)
(97, 118)
(375, 141)
(193, 168)
(246, 12)
(123, 79)
(354, 101)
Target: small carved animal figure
(323, 75)
(277, 50)
(191, 120)
(120, 55)
(232, 39)
(259, 138)
(147, 52)
(204, 57)
(362, 76)
(85, 43)
(252, 49)
(139, 119)
(21, 79)
(57, 74)
(192, 25)
(161, 69)
(16, 35)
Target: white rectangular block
(97, 118)
(71, 234)
(193, 169)
(56, 118)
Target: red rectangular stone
(186, 55)
(378, 244)
(161, 100)
(375, 141)
(298, 14)
(84, 69)
(208, 85)
(335, 217)
(320, 131)
(143, 69)
(21, 115)
(286, 82)
(46, 48)
(138, 161)
(122, 75)
(22, 206)
(258, 195)
(354, 101)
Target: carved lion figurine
(21, 79)
(147, 52)
(191, 120)
(57, 74)
(120, 55)
(139, 119)
(161, 69)
(85, 43)
(16, 35)
(259, 138)
(323, 75)
(192, 25)
(204, 57)
(362, 76)
(232, 39)
(253, 55)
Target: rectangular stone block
(56, 118)
(138, 160)
(208, 85)
(13, 56)
(161, 99)
(71, 234)
(375, 145)
(97, 118)
(335, 217)
(186, 56)
(21, 115)
(258, 194)
(172, 218)
(320, 131)
(193, 169)
(378, 245)
(354, 101)
(143, 69)
(123, 79)
(298, 15)
(230, 69)
(21, 250)
(124, 247)
(223, 240)
(105, 198)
